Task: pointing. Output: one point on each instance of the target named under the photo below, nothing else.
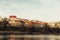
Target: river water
(7, 35)
(30, 37)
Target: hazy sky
(45, 10)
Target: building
(14, 21)
(51, 24)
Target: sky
(43, 10)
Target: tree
(5, 22)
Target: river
(7, 35)
(30, 37)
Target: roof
(12, 16)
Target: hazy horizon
(44, 10)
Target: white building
(14, 21)
(51, 24)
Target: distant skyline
(44, 10)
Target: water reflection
(29, 37)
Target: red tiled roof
(12, 16)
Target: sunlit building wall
(52, 24)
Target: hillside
(30, 26)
